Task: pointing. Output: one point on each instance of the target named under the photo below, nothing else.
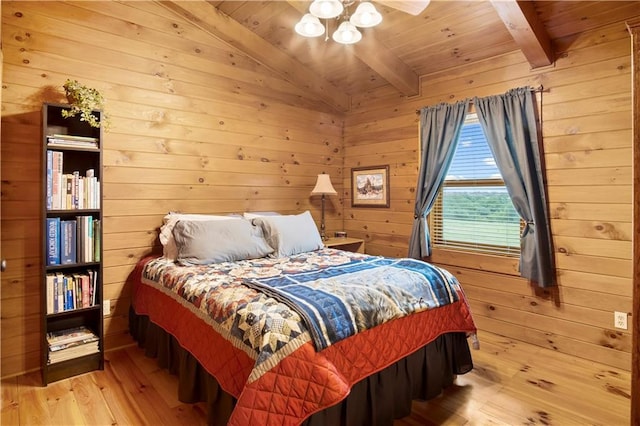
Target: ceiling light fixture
(365, 16)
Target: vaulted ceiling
(404, 46)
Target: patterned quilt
(339, 301)
(259, 348)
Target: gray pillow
(216, 241)
(290, 234)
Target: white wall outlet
(620, 320)
(106, 307)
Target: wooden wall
(199, 127)
(196, 127)
(586, 125)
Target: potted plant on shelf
(84, 100)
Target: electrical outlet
(620, 320)
(106, 308)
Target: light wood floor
(513, 383)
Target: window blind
(473, 210)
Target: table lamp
(323, 187)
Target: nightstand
(355, 245)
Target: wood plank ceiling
(403, 47)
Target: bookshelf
(72, 274)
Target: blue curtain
(509, 122)
(439, 131)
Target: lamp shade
(323, 186)
(326, 9)
(347, 33)
(366, 16)
(309, 26)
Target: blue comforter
(339, 301)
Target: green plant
(84, 100)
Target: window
(474, 211)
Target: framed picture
(370, 186)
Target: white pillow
(215, 241)
(169, 249)
(290, 234)
(253, 215)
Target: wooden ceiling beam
(527, 30)
(220, 25)
(383, 61)
(412, 7)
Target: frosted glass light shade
(347, 33)
(323, 186)
(326, 9)
(309, 26)
(366, 16)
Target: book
(56, 180)
(69, 335)
(73, 343)
(89, 243)
(93, 279)
(82, 196)
(73, 138)
(80, 238)
(49, 180)
(96, 240)
(73, 352)
(72, 141)
(50, 294)
(53, 241)
(61, 346)
(67, 301)
(85, 285)
(75, 191)
(68, 242)
(59, 292)
(68, 199)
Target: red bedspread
(305, 381)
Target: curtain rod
(533, 89)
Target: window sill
(478, 261)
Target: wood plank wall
(199, 127)
(586, 125)
(196, 127)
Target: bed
(269, 327)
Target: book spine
(65, 300)
(68, 293)
(97, 201)
(50, 299)
(68, 204)
(86, 291)
(60, 285)
(58, 180)
(65, 258)
(90, 177)
(49, 180)
(53, 241)
(79, 238)
(55, 293)
(82, 195)
(96, 240)
(94, 279)
(76, 190)
(95, 194)
(89, 244)
(69, 254)
(78, 290)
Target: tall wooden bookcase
(71, 285)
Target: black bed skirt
(374, 401)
